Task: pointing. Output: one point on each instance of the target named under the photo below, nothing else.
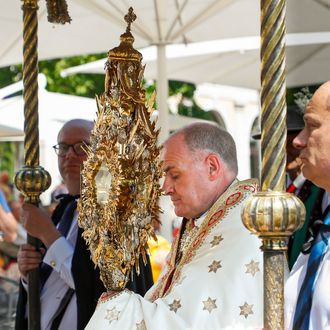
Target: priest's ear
(215, 166)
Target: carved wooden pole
(273, 214)
(32, 179)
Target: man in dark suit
(70, 283)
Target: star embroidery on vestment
(141, 326)
(216, 240)
(209, 304)
(112, 314)
(175, 305)
(252, 268)
(246, 310)
(215, 265)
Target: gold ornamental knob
(32, 181)
(273, 216)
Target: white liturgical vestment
(217, 282)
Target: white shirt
(59, 256)
(21, 235)
(320, 310)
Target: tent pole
(162, 93)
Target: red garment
(291, 189)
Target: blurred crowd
(12, 235)
(12, 232)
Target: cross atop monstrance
(130, 17)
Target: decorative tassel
(58, 11)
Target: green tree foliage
(291, 93)
(10, 74)
(88, 85)
(7, 157)
(82, 84)
(187, 105)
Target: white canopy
(97, 24)
(10, 134)
(234, 61)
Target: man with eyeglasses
(70, 284)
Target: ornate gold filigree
(120, 178)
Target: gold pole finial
(30, 4)
(130, 17)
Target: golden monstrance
(120, 178)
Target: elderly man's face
(186, 178)
(293, 162)
(314, 139)
(70, 164)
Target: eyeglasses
(62, 149)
